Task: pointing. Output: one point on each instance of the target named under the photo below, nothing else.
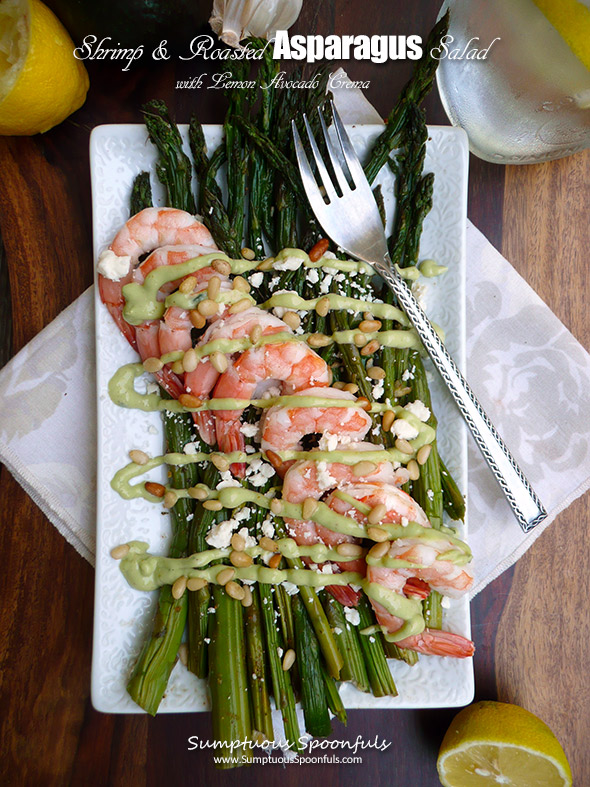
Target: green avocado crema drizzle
(144, 571)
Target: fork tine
(352, 161)
(334, 158)
(322, 170)
(307, 176)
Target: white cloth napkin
(530, 374)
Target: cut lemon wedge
(571, 19)
(41, 82)
(494, 743)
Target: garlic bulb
(234, 20)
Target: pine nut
(221, 266)
(240, 284)
(289, 659)
(322, 307)
(183, 653)
(197, 320)
(351, 388)
(225, 575)
(152, 365)
(364, 403)
(310, 506)
(319, 249)
(196, 583)
(319, 340)
(221, 462)
(139, 457)
(413, 469)
(275, 561)
(377, 534)
(339, 385)
(266, 264)
(369, 326)
(256, 334)
(370, 348)
(404, 446)
(248, 254)
(240, 559)
(189, 401)
(363, 468)
(247, 600)
(170, 499)
(155, 489)
(360, 339)
(292, 319)
(276, 462)
(208, 307)
(179, 587)
(234, 590)
(387, 420)
(238, 542)
(368, 316)
(177, 367)
(276, 506)
(213, 287)
(423, 454)
(379, 550)
(198, 493)
(218, 361)
(376, 373)
(212, 505)
(349, 550)
(240, 306)
(188, 285)
(268, 544)
(190, 361)
(118, 553)
(399, 392)
(376, 514)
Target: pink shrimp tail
(230, 438)
(416, 588)
(345, 595)
(433, 642)
(206, 425)
(169, 382)
(116, 310)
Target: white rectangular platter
(122, 615)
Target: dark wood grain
(49, 733)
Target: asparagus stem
(173, 166)
(313, 695)
(380, 678)
(353, 668)
(257, 678)
(333, 696)
(453, 500)
(227, 680)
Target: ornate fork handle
(523, 500)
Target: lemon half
(41, 82)
(493, 743)
(571, 19)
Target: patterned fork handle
(522, 498)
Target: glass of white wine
(528, 99)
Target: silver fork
(351, 219)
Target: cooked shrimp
(439, 574)
(283, 428)
(155, 227)
(175, 255)
(202, 381)
(292, 365)
(313, 479)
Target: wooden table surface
(530, 626)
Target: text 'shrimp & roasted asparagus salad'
(306, 494)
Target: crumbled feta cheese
(326, 283)
(327, 568)
(419, 409)
(280, 651)
(191, 448)
(328, 442)
(445, 602)
(220, 535)
(256, 279)
(313, 276)
(259, 472)
(249, 449)
(268, 529)
(337, 630)
(352, 615)
(378, 390)
(288, 264)
(250, 430)
(152, 388)
(250, 540)
(404, 521)
(407, 375)
(404, 429)
(325, 480)
(430, 494)
(290, 587)
(113, 267)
